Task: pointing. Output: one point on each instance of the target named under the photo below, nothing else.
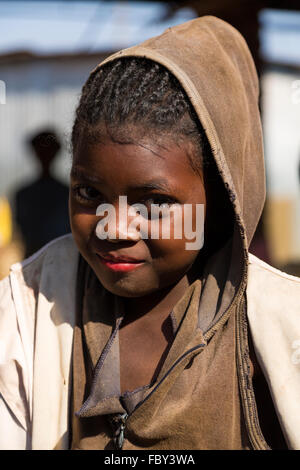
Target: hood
(212, 62)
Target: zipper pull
(120, 423)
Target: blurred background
(47, 50)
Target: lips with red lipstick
(120, 263)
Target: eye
(86, 193)
(159, 206)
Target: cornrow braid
(139, 94)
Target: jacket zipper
(120, 420)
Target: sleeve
(14, 414)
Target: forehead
(138, 161)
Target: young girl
(128, 342)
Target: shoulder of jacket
(47, 271)
(273, 299)
(258, 267)
(56, 250)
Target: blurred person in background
(42, 206)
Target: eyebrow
(160, 184)
(77, 173)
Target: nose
(123, 233)
(117, 223)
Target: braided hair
(133, 96)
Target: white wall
(38, 94)
(281, 123)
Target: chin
(124, 288)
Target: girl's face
(145, 172)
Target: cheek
(171, 260)
(184, 239)
(171, 254)
(82, 225)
